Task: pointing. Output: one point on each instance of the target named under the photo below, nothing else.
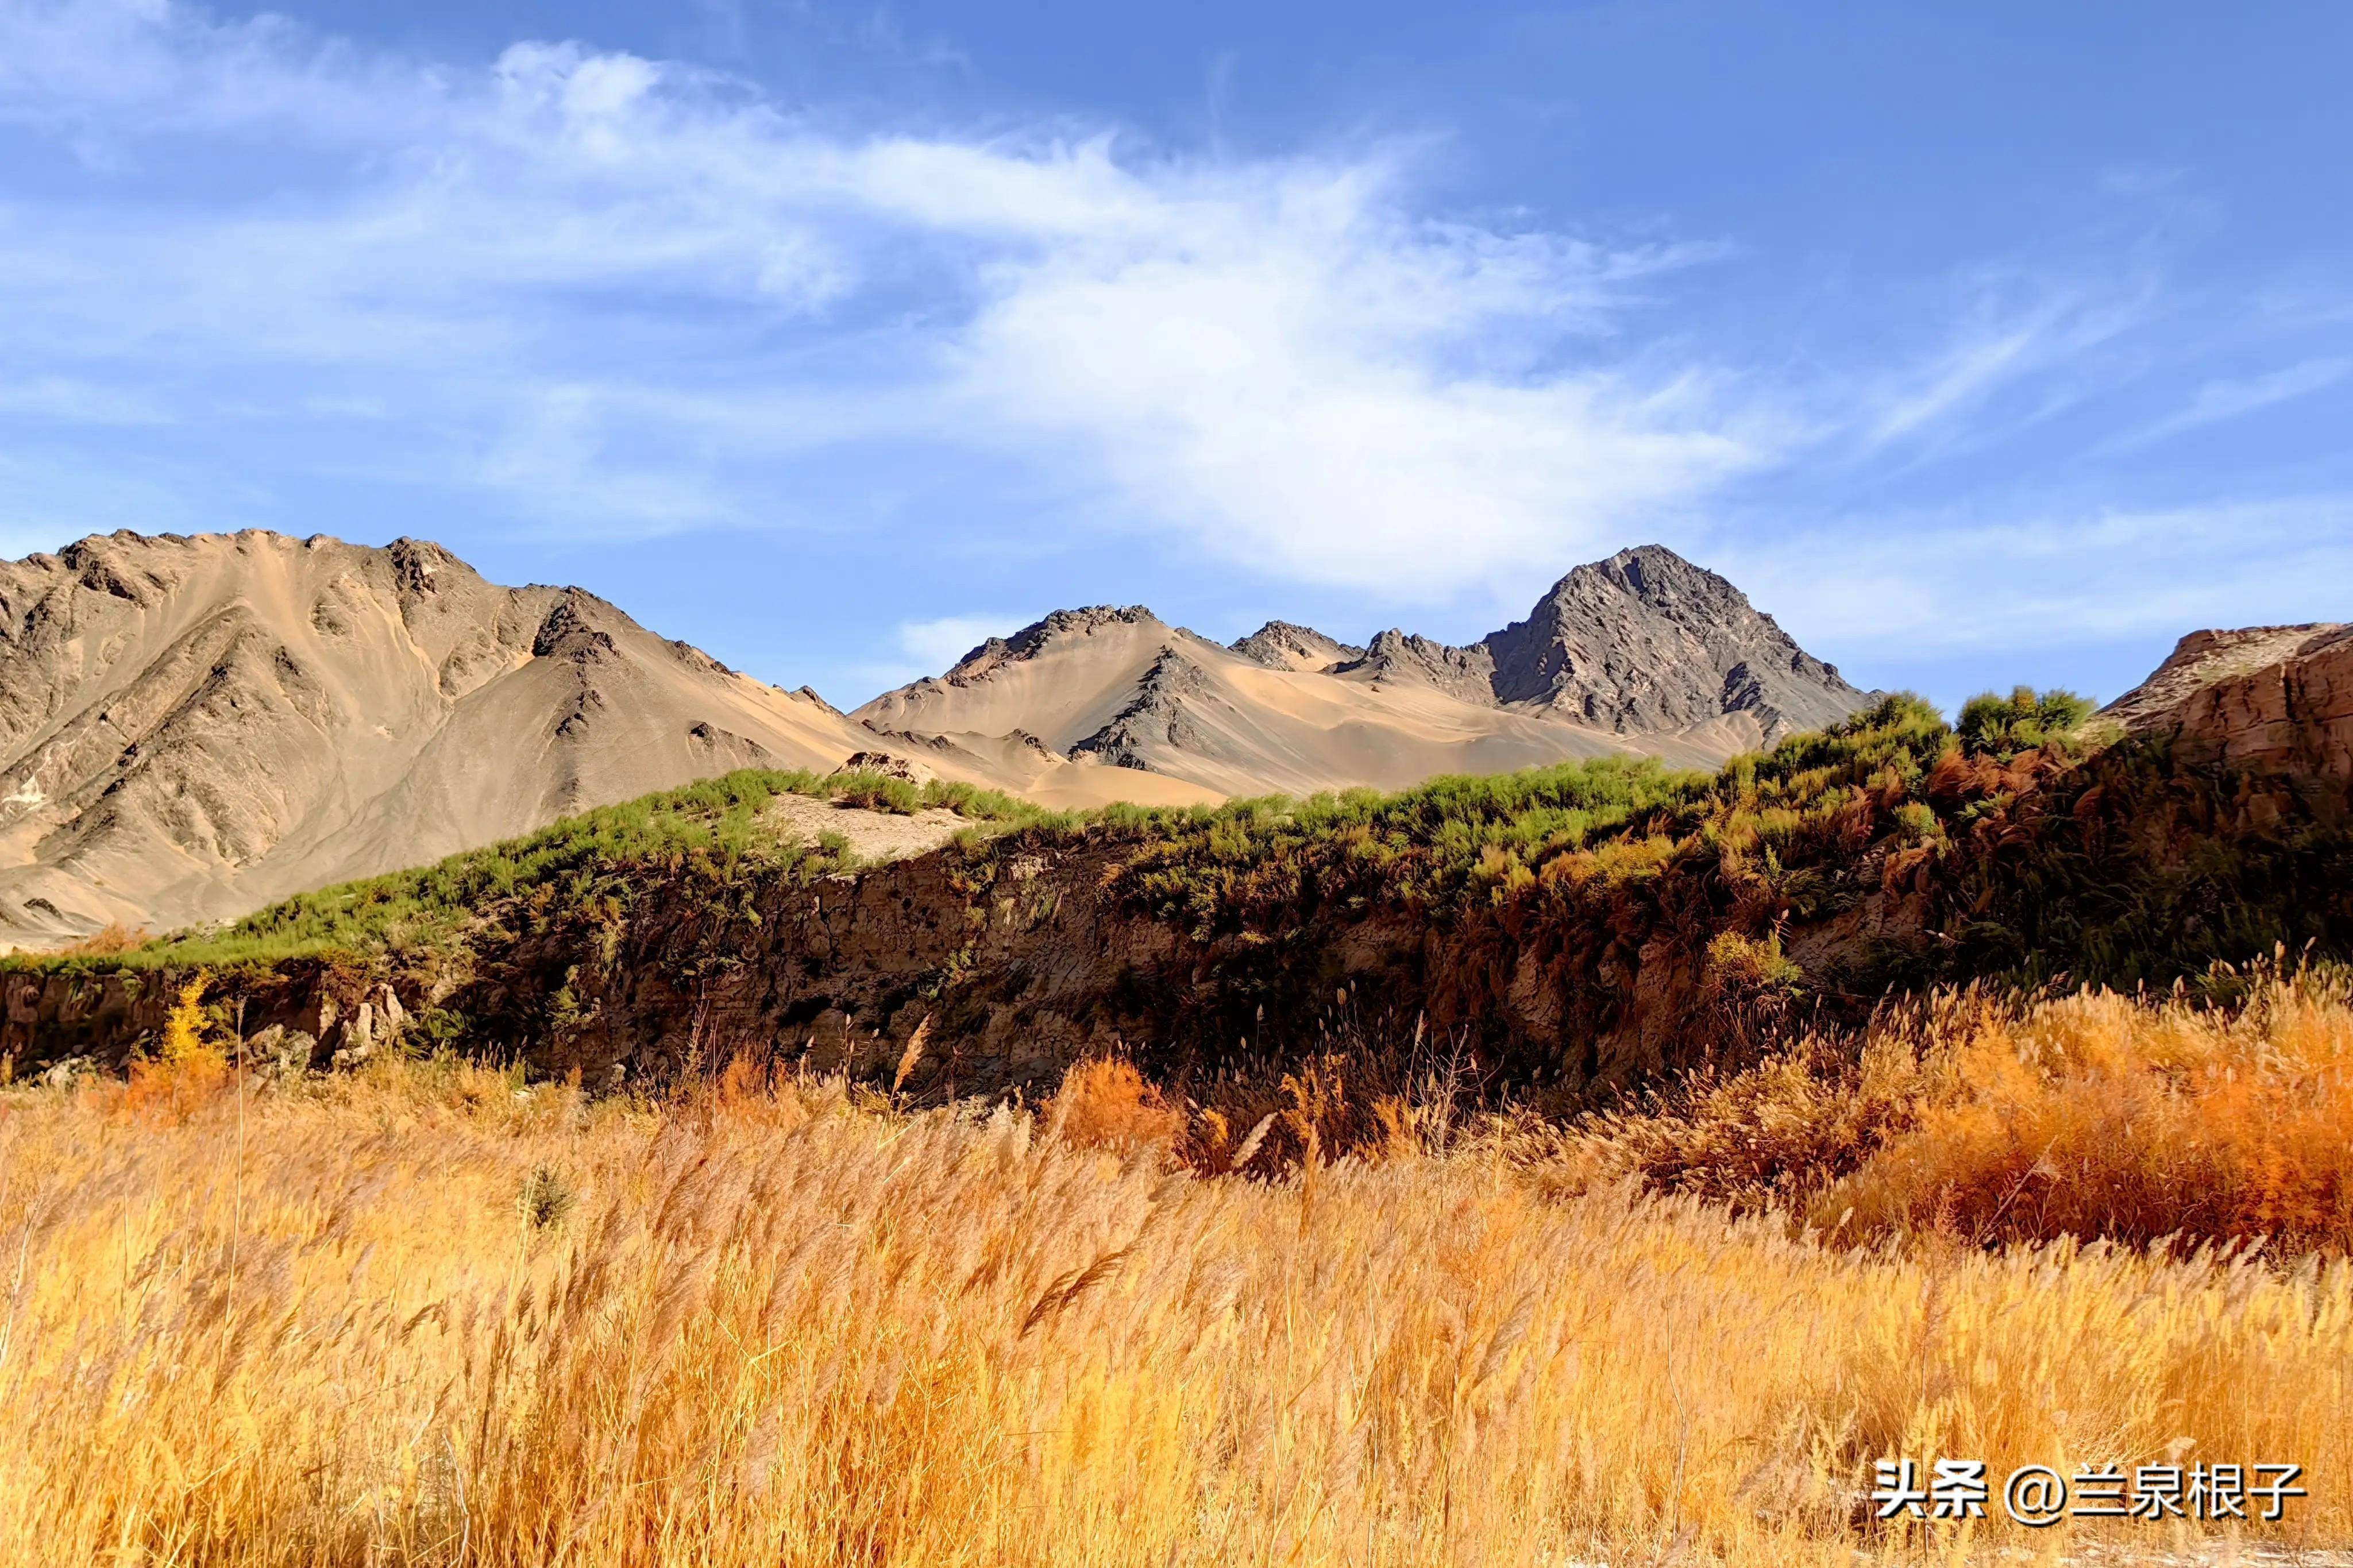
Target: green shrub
(715, 827)
(878, 792)
(2024, 720)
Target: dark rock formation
(1396, 657)
(1285, 645)
(1646, 641)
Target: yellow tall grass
(2090, 1115)
(428, 1315)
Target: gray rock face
(1398, 657)
(1646, 641)
(1642, 643)
(1285, 645)
(1158, 715)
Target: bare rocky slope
(191, 727)
(2278, 699)
(1642, 654)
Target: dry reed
(427, 1314)
(2090, 1115)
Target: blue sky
(1979, 344)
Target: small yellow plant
(189, 1070)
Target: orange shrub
(107, 942)
(1105, 1103)
(2098, 1116)
(2091, 1115)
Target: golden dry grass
(2090, 1115)
(429, 1316)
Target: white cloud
(635, 294)
(2220, 400)
(1946, 582)
(935, 646)
(584, 289)
(2000, 343)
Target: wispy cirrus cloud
(250, 272)
(2218, 400)
(2009, 332)
(1961, 579)
(636, 295)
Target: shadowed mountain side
(1645, 641)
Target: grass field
(429, 1314)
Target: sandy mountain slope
(192, 727)
(1641, 654)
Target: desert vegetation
(2040, 847)
(1595, 927)
(431, 1313)
(713, 830)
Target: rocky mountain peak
(1286, 645)
(1645, 641)
(1401, 658)
(1039, 634)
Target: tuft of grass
(876, 792)
(1105, 1102)
(545, 1200)
(108, 940)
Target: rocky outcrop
(1464, 673)
(889, 765)
(1155, 720)
(1285, 645)
(1023, 960)
(2270, 700)
(1646, 641)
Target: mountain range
(191, 727)
(1643, 653)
